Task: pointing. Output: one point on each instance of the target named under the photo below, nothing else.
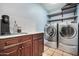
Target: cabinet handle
(22, 47)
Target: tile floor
(54, 52)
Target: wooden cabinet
(2, 43)
(41, 47)
(10, 51)
(11, 41)
(4, 50)
(38, 45)
(27, 45)
(19, 50)
(25, 49)
(35, 48)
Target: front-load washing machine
(68, 37)
(50, 35)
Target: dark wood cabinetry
(38, 44)
(10, 51)
(26, 49)
(27, 45)
(41, 47)
(35, 48)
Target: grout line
(53, 53)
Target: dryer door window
(51, 31)
(67, 31)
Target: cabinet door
(41, 47)
(10, 51)
(20, 50)
(36, 47)
(13, 53)
(27, 48)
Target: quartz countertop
(17, 34)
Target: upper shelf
(69, 6)
(64, 12)
(62, 19)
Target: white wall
(51, 7)
(31, 17)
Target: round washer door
(67, 31)
(51, 32)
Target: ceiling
(50, 7)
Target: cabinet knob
(22, 47)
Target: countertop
(17, 34)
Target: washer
(68, 37)
(50, 35)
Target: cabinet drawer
(11, 41)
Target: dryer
(68, 37)
(50, 35)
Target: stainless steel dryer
(68, 37)
(50, 35)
